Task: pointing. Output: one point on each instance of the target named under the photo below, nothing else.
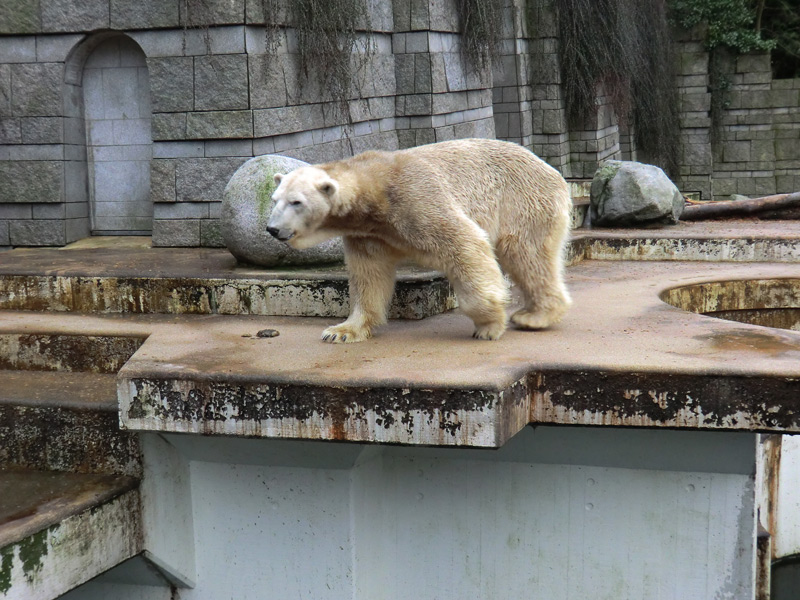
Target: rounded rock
(246, 206)
(632, 193)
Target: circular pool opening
(766, 302)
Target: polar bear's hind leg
(537, 268)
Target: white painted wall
(486, 530)
(567, 513)
(786, 540)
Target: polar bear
(466, 207)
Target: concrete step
(579, 190)
(196, 281)
(64, 421)
(66, 352)
(58, 530)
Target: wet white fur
(466, 207)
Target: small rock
(246, 206)
(268, 333)
(632, 193)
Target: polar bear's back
(496, 183)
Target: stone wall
(693, 82)
(217, 98)
(755, 151)
(550, 138)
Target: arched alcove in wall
(115, 91)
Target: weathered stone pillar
(744, 158)
(550, 138)
(440, 94)
(511, 78)
(696, 161)
(597, 140)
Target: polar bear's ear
(329, 187)
(278, 178)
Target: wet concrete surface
(662, 366)
(34, 500)
(82, 391)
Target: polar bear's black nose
(273, 231)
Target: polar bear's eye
(295, 202)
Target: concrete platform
(743, 240)
(134, 278)
(621, 357)
(663, 498)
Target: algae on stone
(32, 551)
(246, 207)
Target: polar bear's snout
(282, 235)
(280, 224)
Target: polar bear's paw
(345, 334)
(489, 331)
(525, 319)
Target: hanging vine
(331, 49)
(481, 26)
(272, 11)
(625, 48)
(196, 15)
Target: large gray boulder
(632, 193)
(246, 206)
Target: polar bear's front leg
(371, 266)
(479, 284)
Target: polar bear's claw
(344, 334)
(492, 331)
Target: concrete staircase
(69, 478)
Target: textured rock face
(632, 193)
(246, 206)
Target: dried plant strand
(625, 48)
(481, 30)
(331, 51)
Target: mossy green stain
(32, 551)
(607, 171)
(6, 559)
(264, 191)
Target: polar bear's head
(303, 201)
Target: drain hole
(765, 302)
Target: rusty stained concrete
(60, 530)
(620, 357)
(195, 281)
(738, 240)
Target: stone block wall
(212, 112)
(216, 98)
(786, 128)
(550, 140)
(37, 154)
(575, 150)
(745, 155)
(511, 90)
(693, 80)
(756, 150)
(597, 141)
